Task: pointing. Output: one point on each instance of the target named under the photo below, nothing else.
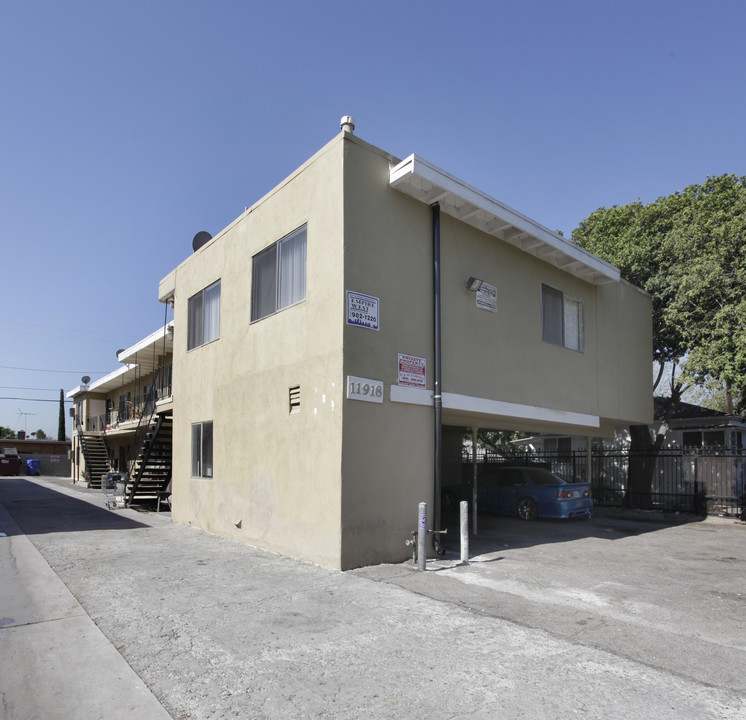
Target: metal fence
(709, 480)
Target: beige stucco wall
(388, 449)
(276, 477)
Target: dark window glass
(279, 275)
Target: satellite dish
(121, 350)
(200, 239)
(85, 379)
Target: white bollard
(464, 518)
(422, 537)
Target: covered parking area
(460, 432)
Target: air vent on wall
(294, 393)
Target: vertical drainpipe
(437, 396)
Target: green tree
(712, 394)
(687, 251)
(61, 420)
(40, 434)
(710, 303)
(498, 442)
(6, 433)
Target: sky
(128, 127)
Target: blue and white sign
(362, 310)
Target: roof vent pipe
(347, 123)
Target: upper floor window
(204, 316)
(279, 275)
(562, 319)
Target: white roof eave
(141, 358)
(429, 184)
(114, 379)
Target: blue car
(532, 492)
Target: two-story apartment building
(327, 335)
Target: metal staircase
(96, 456)
(151, 471)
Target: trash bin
(32, 467)
(10, 462)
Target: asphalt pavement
(123, 614)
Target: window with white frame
(203, 325)
(202, 449)
(562, 319)
(279, 275)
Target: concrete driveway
(666, 590)
(612, 618)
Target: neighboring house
(123, 421)
(310, 340)
(692, 426)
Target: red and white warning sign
(412, 371)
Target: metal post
(422, 536)
(464, 518)
(437, 391)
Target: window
(714, 438)
(279, 275)
(204, 316)
(706, 439)
(562, 319)
(202, 449)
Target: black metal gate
(708, 480)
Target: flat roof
(429, 184)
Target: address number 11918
(364, 389)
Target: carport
(459, 423)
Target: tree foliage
(6, 433)
(688, 251)
(61, 418)
(498, 442)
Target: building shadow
(38, 510)
(497, 532)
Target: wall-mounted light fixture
(473, 284)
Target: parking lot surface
(617, 617)
(667, 590)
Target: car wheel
(527, 509)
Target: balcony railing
(130, 411)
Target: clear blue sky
(129, 126)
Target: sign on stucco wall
(487, 297)
(412, 371)
(362, 310)
(364, 389)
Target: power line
(73, 372)
(31, 399)
(16, 387)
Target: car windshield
(544, 477)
